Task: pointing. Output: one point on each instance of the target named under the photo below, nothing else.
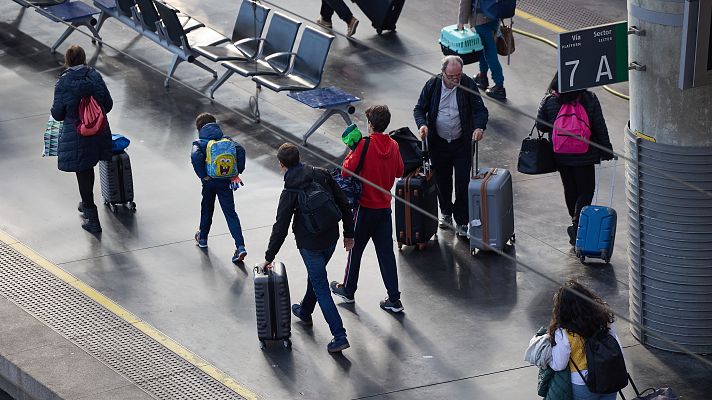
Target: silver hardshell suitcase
(491, 201)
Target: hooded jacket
(295, 178)
(382, 165)
(208, 132)
(75, 152)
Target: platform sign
(593, 56)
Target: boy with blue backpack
(218, 161)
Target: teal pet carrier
(464, 43)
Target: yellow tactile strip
(102, 328)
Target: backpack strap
(363, 155)
(577, 369)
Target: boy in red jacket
(372, 217)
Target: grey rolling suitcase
(273, 305)
(117, 182)
(491, 201)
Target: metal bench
(272, 57)
(246, 35)
(303, 76)
(74, 13)
(332, 100)
(180, 42)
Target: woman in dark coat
(79, 154)
(577, 171)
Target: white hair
(448, 59)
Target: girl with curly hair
(578, 314)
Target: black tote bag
(536, 155)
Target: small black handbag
(536, 155)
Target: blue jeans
(373, 224)
(318, 289)
(221, 189)
(581, 392)
(490, 59)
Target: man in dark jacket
(578, 174)
(208, 130)
(77, 153)
(382, 165)
(450, 113)
(315, 248)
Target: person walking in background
(373, 215)
(316, 249)
(342, 10)
(209, 130)
(578, 174)
(450, 117)
(577, 315)
(486, 28)
(76, 153)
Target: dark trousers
(221, 189)
(579, 186)
(373, 224)
(446, 157)
(85, 179)
(318, 289)
(342, 10)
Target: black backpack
(606, 366)
(316, 207)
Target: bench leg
(94, 32)
(62, 38)
(205, 67)
(228, 73)
(255, 103)
(341, 110)
(172, 69)
(102, 17)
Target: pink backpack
(91, 117)
(571, 118)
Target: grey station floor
(467, 319)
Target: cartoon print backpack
(572, 130)
(221, 158)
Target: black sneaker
(338, 344)
(497, 92)
(445, 222)
(339, 290)
(571, 230)
(481, 81)
(297, 311)
(392, 306)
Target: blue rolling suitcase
(596, 233)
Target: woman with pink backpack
(579, 116)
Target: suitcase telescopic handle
(474, 148)
(425, 146)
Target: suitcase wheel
(379, 31)
(400, 245)
(287, 343)
(262, 345)
(132, 206)
(113, 208)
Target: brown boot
(351, 27)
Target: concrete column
(670, 224)
(657, 107)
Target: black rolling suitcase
(273, 305)
(382, 13)
(117, 182)
(413, 228)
